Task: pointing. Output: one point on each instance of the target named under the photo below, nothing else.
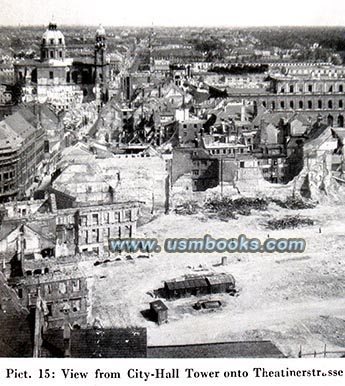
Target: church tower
(101, 67)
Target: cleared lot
(291, 299)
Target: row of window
(90, 237)
(96, 219)
(7, 188)
(7, 175)
(309, 105)
(228, 151)
(312, 70)
(311, 88)
(204, 163)
(52, 41)
(195, 125)
(51, 54)
(49, 288)
(55, 309)
(94, 236)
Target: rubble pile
(83, 115)
(293, 202)
(188, 208)
(226, 207)
(289, 222)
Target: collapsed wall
(247, 181)
(251, 182)
(143, 179)
(315, 180)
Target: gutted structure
(65, 297)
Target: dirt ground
(295, 300)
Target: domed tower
(53, 44)
(101, 63)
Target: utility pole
(221, 177)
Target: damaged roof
(15, 332)
(98, 343)
(249, 349)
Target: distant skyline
(224, 13)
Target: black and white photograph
(172, 180)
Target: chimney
(53, 205)
(223, 127)
(243, 112)
(39, 325)
(20, 244)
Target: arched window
(310, 104)
(341, 104)
(330, 104)
(282, 104)
(341, 88)
(292, 89)
(319, 104)
(264, 103)
(300, 104)
(292, 104)
(330, 120)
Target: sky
(230, 13)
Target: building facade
(21, 153)
(65, 298)
(88, 229)
(317, 91)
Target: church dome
(53, 44)
(52, 36)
